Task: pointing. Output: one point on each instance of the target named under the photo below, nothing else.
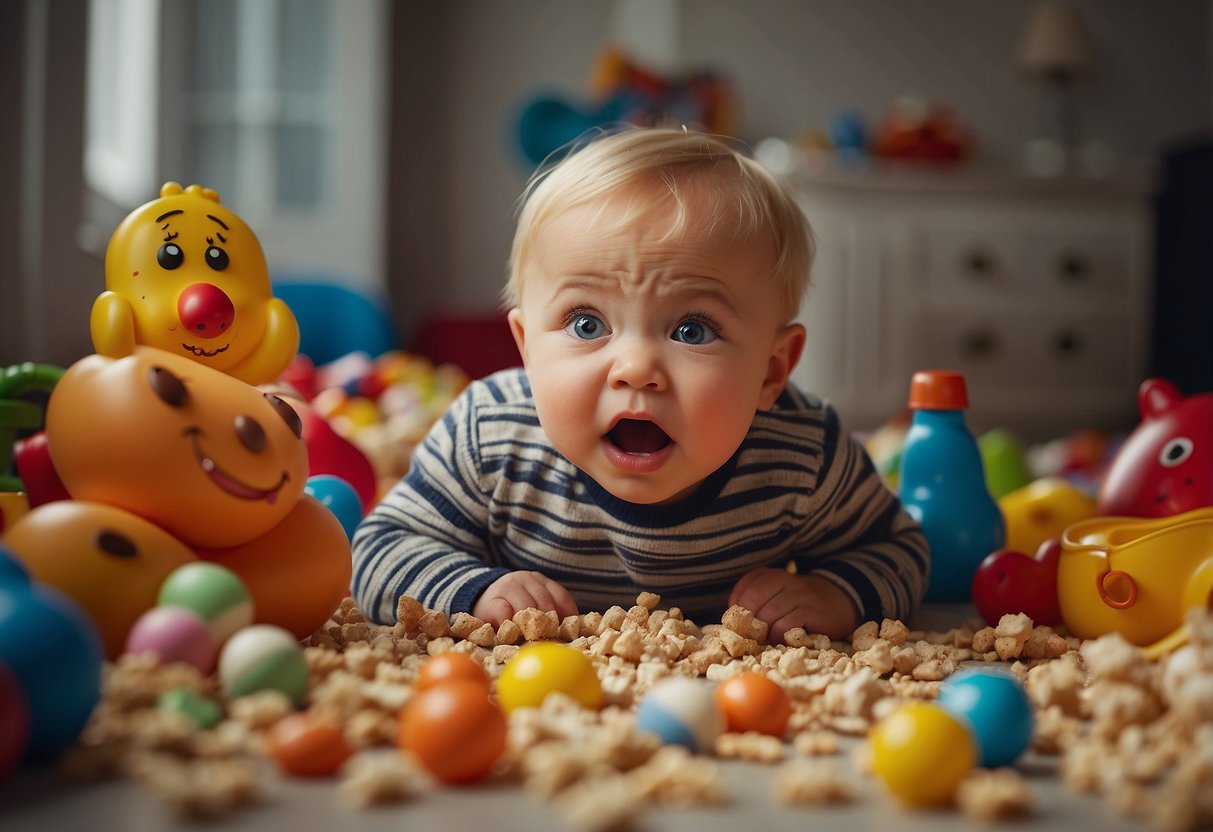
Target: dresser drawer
(1020, 349)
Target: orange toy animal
(185, 274)
(213, 461)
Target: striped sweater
(487, 494)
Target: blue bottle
(943, 485)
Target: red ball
(752, 702)
(307, 747)
(454, 730)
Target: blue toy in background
(339, 497)
(55, 653)
(335, 319)
(943, 485)
(996, 708)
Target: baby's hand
(785, 601)
(519, 591)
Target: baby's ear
(518, 330)
(784, 356)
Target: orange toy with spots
(215, 462)
(185, 274)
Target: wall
(794, 63)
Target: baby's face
(648, 358)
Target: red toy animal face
(1166, 465)
(210, 459)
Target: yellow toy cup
(1137, 576)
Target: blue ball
(996, 708)
(339, 497)
(55, 652)
(682, 711)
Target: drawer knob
(1073, 267)
(979, 263)
(979, 344)
(1068, 344)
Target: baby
(651, 441)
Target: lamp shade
(1055, 41)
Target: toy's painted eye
(216, 258)
(114, 543)
(1175, 452)
(170, 256)
(168, 387)
(250, 433)
(288, 415)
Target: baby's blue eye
(694, 332)
(586, 327)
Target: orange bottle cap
(938, 390)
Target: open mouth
(201, 353)
(226, 481)
(638, 436)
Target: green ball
(214, 593)
(263, 657)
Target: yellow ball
(548, 667)
(921, 753)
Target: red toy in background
(1165, 466)
(915, 130)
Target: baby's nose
(205, 310)
(638, 365)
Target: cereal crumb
(991, 795)
(811, 783)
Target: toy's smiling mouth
(638, 436)
(201, 353)
(226, 481)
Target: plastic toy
(1003, 458)
(682, 711)
(23, 389)
(304, 746)
(186, 275)
(996, 709)
(212, 591)
(52, 648)
(916, 130)
(205, 712)
(217, 463)
(943, 485)
(921, 753)
(13, 506)
(331, 453)
(447, 667)
(339, 497)
(37, 472)
(174, 634)
(109, 561)
(14, 722)
(1042, 510)
(1165, 466)
(1136, 576)
(454, 730)
(548, 667)
(1009, 582)
(753, 702)
(263, 657)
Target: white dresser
(1038, 291)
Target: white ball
(682, 711)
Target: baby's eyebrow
(170, 213)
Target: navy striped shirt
(487, 494)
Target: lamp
(1056, 51)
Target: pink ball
(174, 634)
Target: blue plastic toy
(682, 711)
(339, 497)
(943, 485)
(55, 652)
(996, 708)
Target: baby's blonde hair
(743, 198)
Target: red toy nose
(204, 310)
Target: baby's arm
(428, 538)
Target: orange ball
(447, 667)
(454, 730)
(307, 747)
(752, 702)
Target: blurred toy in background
(849, 135)
(1009, 582)
(50, 648)
(1042, 510)
(1137, 576)
(1165, 466)
(916, 130)
(943, 485)
(623, 91)
(214, 462)
(1003, 457)
(185, 274)
(24, 389)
